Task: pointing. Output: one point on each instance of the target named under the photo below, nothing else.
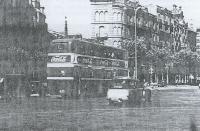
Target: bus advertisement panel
(101, 62)
(59, 59)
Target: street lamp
(150, 72)
(135, 33)
(167, 68)
(135, 17)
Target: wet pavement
(174, 109)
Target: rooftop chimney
(66, 28)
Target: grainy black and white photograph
(99, 65)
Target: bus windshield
(60, 47)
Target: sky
(78, 13)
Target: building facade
(108, 21)
(113, 22)
(198, 40)
(23, 39)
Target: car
(126, 91)
(117, 95)
(162, 84)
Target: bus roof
(15, 75)
(83, 40)
(125, 78)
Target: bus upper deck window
(60, 47)
(74, 47)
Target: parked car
(127, 91)
(162, 83)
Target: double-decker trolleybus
(81, 68)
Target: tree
(159, 56)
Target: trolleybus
(81, 68)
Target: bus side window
(60, 47)
(73, 47)
(91, 50)
(96, 51)
(67, 47)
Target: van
(126, 91)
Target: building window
(13, 2)
(38, 17)
(96, 16)
(198, 40)
(154, 37)
(115, 43)
(159, 16)
(119, 31)
(119, 44)
(101, 16)
(140, 22)
(131, 19)
(164, 18)
(119, 17)
(115, 30)
(30, 2)
(157, 38)
(122, 31)
(150, 23)
(101, 31)
(105, 15)
(128, 33)
(114, 16)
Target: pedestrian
(193, 126)
(199, 85)
(145, 84)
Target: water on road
(169, 110)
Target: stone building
(108, 21)
(191, 39)
(23, 39)
(198, 40)
(113, 22)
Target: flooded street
(169, 110)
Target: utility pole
(135, 19)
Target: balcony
(36, 4)
(118, 4)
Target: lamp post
(150, 72)
(135, 18)
(135, 34)
(167, 69)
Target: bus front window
(59, 47)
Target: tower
(108, 21)
(66, 28)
